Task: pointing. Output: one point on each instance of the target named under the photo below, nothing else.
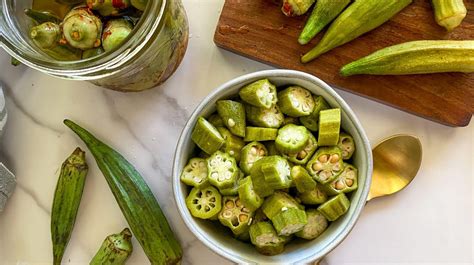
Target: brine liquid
(51, 5)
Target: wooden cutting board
(257, 29)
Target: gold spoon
(396, 162)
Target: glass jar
(147, 58)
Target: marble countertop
(429, 222)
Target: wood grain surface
(257, 29)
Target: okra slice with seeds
(249, 198)
(302, 157)
(278, 202)
(216, 120)
(296, 101)
(291, 138)
(195, 173)
(276, 171)
(233, 115)
(312, 120)
(312, 197)
(234, 190)
(222, 170)
(344, 183)
(347, 145)
(235, 215)
(335, 207)
(289, 221)
(204, 203)
(329, 127)
(326, 164)
(206, 136)
(250, 154)
(264, 237)
(233, 144)
(264, 117)
(260, 134)
(316, 225)
(303, 181)
(260, 94)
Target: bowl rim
(179, 200)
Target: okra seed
(349, 182)
(202, 164)
(228, 175)
(317, 166)
(227, 214)
(231, 123)
(245, 210)
(345, 153)
(215, 175)
(323, 158)
(261, 152)
(213, 199)
(345, 141)
(336, 167)
(302, 154)
(228, 164)
(253, 150)
(229, 204)
(198, 180)
(238, 203)
(334, 158)
(207, 208)
(339, 185)
(243, 218)
(284, 209)
(231, 152)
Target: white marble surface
(429, 222)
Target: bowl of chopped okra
(272, 167)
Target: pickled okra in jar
(278, 158)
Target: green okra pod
(42, 16)
(316, 225)
(449, 13)
(250, 154)
(108, 7)
(222, 170)
(81, 29)
(313, 197)
(233, 144)
(289, 221)
(265, 117)
(292, 138)
(344, 183)
(324, 12)
(416, 57)
(195, 173)
(260, 134)
(115, 249)
(335, 207)
(303, 181)
(206, 136)
(216, 120)
(264, 237)
(296, 7)
(359, 18)
(234, 190)
(115, 32)
(302, 157)
(275, 170)
(326, 164)
(67, 198)
(204, 203)
(329, 127)
(233, 115)
(248, 196)
(46, 35)
(261, 94)
(235, 215)
(311, 122)
(279, 201)
(295, 101)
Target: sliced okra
(276, 171)
(335, 207)
(344, 183)
(206, 136)
(271, 148)
(216, 120)
(302, 157)
(222, 170)
(235, 215)
(266, 240)
(260, 186)
(289, 221)
(260, 134)
(260, 94)
(291, 120)
(233, 144)
(234, 190)
(292, 138)
(347, 145)
(313, 197)
(311, 121)
(204, 203)
(250, 154)
(303, 181)
(296, 101)
(316, 225)
(195, 173)
(264, 117)
(329, 127)
(326, 164)
(278, 202)
(248, 196)
(233, 115)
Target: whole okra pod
(115, 249)
(449, 13)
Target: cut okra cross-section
(329, 127)
(235, 215)
(292, 138)
(311, 122)
(335, 207)
(233, 144)
(271, 117)
(206, 136)
(222, 170)
(204, 203)
(250, 154)
(316, 225)
(195, 173)
(248, 196)
(345, 182)
(347, 145)
(264, 237)
(233, 115)
(260, 94)
(326, 164)
(302, 157)
(234, 190)
(260, 134)
(296, 101)
(289, 221)
(276, 171)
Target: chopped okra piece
(260, 134)
(344, 183)
(235, 215)
(260, 94)
(264, 117)
(296, 7)
(291, 120)
(276, 171)
(312, 120)
(222, 170)
(233, 115)
(250, 154)
(303, 181)
(206, 136)
(216, 120)
(195, 173)
(289, 221)
(316, 225)
(326, 164)
(302, 157)
(260, 186)
(278, 202)
(347, 145)
(248, 196)
(271, 147)
(233, 144)
(296, 101)
(264, 237)
(234, 190)
(335, 207)
(292, 138)
(204, 203)
(329, 127)
(313, 197)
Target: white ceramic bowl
(217, 237)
